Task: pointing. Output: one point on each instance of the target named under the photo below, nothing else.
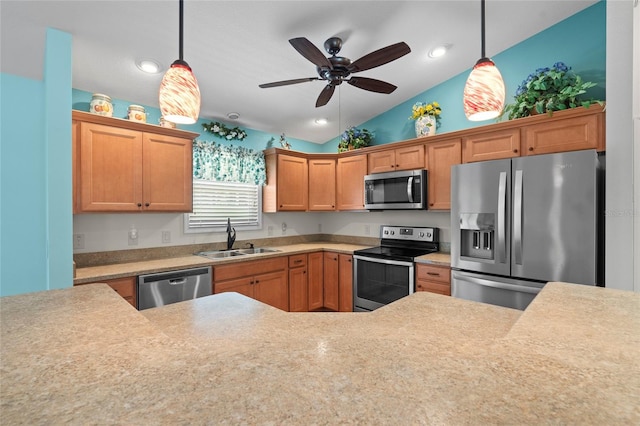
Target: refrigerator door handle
(502, 206)
(517, 218)
(410, 189)
(498, 284)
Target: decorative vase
(425, 126)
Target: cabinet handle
(397, 165)
(304, 272)
(349, 260)
(251, 282)
(297, 261)
(530, 148)
(146, 204)
(139, 204)
(435, 274)
(515, 151)
(257, 281)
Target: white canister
(101, 105)
(166, 123)
(137, 113)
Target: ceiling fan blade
(372, 84)
(286, 82)
(325, 95)
(311, 52)
(380, 57)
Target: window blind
(214, 202)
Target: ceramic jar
(101, 105)
(137, 113)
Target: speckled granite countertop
(83, 356)
(119, 270)
(439, 259)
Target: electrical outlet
(132, 236)
(284, 228)
(166, 236)
(367, 230)
(319, 228)
(270, 231)
(78, 241)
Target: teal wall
(579, 41)
(35, 179)
(256, 139)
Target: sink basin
(257, 250)
(223, 254)
(220, 254)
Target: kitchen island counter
(83, 355)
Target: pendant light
(179, 93)
(484, 91)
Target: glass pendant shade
(179, 95)
(484, 92)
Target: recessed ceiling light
(321, 121)
(439, 51)
(149, 66)
(233, 116)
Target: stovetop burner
(403, 243)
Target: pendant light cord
(181, 30)
(483, 55)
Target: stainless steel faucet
(231, 234)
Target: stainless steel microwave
(403, 190)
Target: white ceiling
(233, 46)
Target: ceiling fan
(336, 69)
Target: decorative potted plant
(354, 138)
(427, 118)
(549, 89)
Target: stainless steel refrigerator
(518, 223)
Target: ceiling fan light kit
(484, 91)
(179, 94)
(337, 69)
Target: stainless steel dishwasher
(170, 287)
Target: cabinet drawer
(297, 260)
(248, 268)
(434, 287)
(433, 273)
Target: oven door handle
(385, 261)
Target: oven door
(378, 282)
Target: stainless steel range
(385, 273)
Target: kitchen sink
(223, 254)
(257, 250)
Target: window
(214, 202)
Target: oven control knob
(393, 232)
(386, 232)
(421, 234)
(428, 234)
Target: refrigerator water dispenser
(477, 235)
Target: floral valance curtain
(222, 163)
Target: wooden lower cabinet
(338, 282)
(125, 287)
(264, 280)
(298, 283)
(315, 277)
(432, 278)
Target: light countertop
(83, 355)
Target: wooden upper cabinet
(405, 158)
(123, 166)
(440, 157)
(567, 134)
(491, 146)
(322, 184)
(287, 186)
(350, 175)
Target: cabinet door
(571, 134)
(298, 290)
(322, 184)
(315, 279)
(331, 281)
(167, 173)
(382, 161)
(272, 289)
(110, 169)
(241, 285)
(410, 158)
(441, 156)
(350, 182)
(292, 185)
(345, 282)
(491, 146)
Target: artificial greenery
(549, 89)
(421, 109)
(224, 132)
(354, 138)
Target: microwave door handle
(502, 205)
(410, 189)
(517, 218)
